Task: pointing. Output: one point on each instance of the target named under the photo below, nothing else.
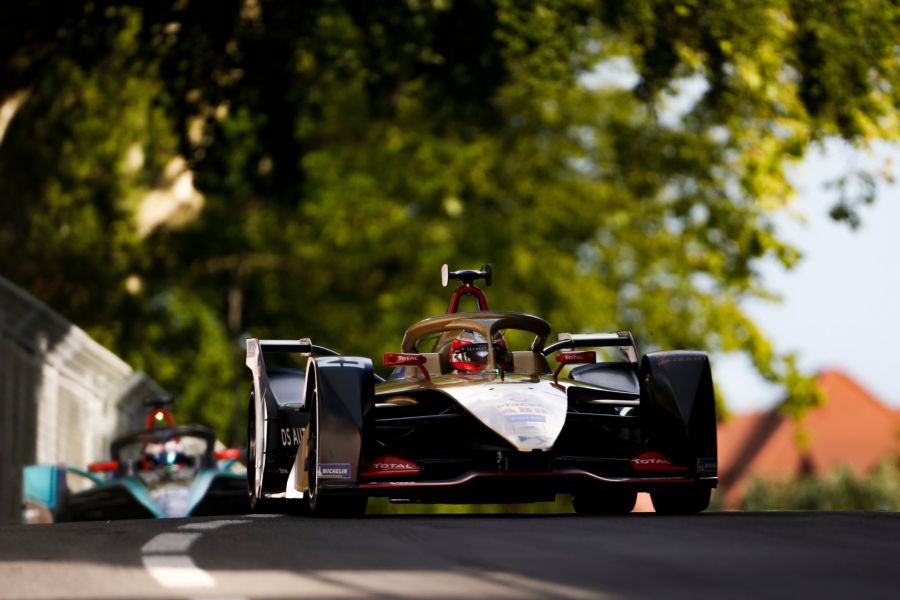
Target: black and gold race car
(474, 412)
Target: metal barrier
(63, 396)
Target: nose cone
(529, 416)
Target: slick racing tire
(613, 502)
(320, 503)
(256, 469)
(681, 501)
(255, 456)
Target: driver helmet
(160, 454)
(154, 454)
(469, 351)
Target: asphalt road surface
(712, 555)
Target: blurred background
(176, 176)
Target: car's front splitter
(477, 486)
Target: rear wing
(620, 339)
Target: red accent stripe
(467, 290)
(537, 475)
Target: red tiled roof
(851, 428)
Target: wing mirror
(581, 357)
(228, 454)
(103, 467)
(406, 359)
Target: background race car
(167, 471)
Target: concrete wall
(63, 396)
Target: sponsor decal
(707, 466)
(654, 461)
(398, 358)
(523, 418)
(291, 436)
(333, 471)
(390, 466)
(526, 419)
(581, 356)
(521, 407)
(393, 466)
(689, 358)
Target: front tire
(681, 502)
(326, 504)
(614, 502)
(255, 459)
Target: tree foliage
(319, 160)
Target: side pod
(679, 408)
(44, 491)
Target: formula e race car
(474, 413)
(160, 471)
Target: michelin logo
(333, 471)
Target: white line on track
(166, 560)
(208, 525)
(177, 571)
(170, 543)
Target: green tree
(338, 151)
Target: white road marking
(264, 516)
(208, 525)
(166, 560)
(165, 556)
(475, 583)
(177, 571)
(542, 589)
(170, 543)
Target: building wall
(63, 396)
(18, 380)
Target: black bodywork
(662, 409)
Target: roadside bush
(841, 489)
(382, 506)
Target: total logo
(391, 466)
(651, 461)
(385, 466)
(654, 461)
(407, 359)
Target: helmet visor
(471, 354)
